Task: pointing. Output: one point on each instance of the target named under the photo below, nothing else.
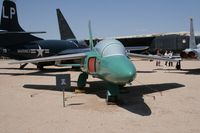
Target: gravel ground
(161, 99)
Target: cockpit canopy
(110, 47)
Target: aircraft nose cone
(121, 70)
(126, 74)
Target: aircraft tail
(11, 33)
(65, 30)
(192, 43)
(9, 19)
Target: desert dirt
(160, 100)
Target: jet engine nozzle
(184, 54)
(189, 55)
(192, 55)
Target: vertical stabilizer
(65, 30)
(9, 20)
(12, 33)
(192, 44)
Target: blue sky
(109, 18)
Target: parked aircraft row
(193, 52)
(101, 60)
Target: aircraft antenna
(90, 36)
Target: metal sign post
(63, 82)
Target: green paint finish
(85, 61)
(117, 69)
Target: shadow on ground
(182, 71)
(146, 71)
(131, 98)
(45, 72)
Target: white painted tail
(192, 43)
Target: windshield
(110, 48)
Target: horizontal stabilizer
(21, 32)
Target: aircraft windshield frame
(113, 49)
(110, 48)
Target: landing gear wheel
(112, 94)
(40, 67)
(82, 80)
(110, 100)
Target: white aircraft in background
(193, 52)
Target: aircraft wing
(74, 51)
(153, 57)
(137, 48)
(83, 50)
(52, 58)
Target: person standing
(170, 56)
(166, 55)
(158, 54)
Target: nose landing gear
(112, 94)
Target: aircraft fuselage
(108, 61)
(40, 48)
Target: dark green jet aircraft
(107, 60)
